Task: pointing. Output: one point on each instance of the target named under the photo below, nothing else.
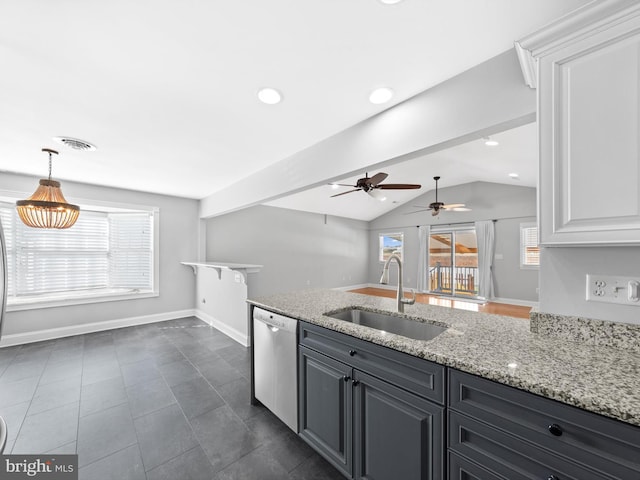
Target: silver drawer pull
(554, 429)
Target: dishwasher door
(275, 364)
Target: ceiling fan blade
(398, 186)
(344, 185)
(376, 179)
(344, 193)
(459, 209)
(453, 205)
(417, 211)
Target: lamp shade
(47, 207)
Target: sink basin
(389, 323)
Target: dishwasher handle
(275, 321)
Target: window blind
(529, 249)
(130, 250)
(103, 250)
(7, 226)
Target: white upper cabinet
(587, 71)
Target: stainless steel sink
(389, 323)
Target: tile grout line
(31, 401)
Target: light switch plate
(613, 289)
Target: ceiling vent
(75, 144)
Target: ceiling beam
(484, 100)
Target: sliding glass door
(453, 261)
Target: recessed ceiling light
(390, 2)
(514, 176)
(490, 143)
(334, 186)
(270, 96)
(381, 95)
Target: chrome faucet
(384, 279)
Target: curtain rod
(494, 220)
(382, 229)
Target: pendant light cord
(49, 166)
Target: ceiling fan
(436, 206)
(368, 184)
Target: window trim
(388, 234)
(84, 297)
(524, 266)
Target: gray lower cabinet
(324, 412)
(397, 435)
(496, 431)
(367, 426)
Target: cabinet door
(397, 435)
(325, 397)
(589, 114)
(460, 468)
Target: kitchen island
(492, 430)
(600, 379)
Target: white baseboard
(352, 287)
(53, 333)
(386, 287)
(515, 301)
(241, 338)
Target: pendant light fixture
(47, 207)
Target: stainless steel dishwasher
(274, 364)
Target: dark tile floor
(168, 400)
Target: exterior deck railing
(443, 278)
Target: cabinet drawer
(414, 374)
(510, 457)
(600, 443)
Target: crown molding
(581, 23)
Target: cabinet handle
(552, 477)
(352, 352)
(346, 378)
(355, 382)
(554, 429)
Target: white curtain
(485, 233)
(423, 258)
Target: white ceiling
(517, 152)
(166, 89)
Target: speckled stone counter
(595, 377)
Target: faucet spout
(384, 279)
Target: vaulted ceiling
(167, 90)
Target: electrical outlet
(613, 289)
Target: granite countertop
(598, 378)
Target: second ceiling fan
(436, 206)
(367, 184)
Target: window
(107, 254)
(529, 249)
(390, 243)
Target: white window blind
(7, 226)
(130, 250)
(102, 253)
(529, 249)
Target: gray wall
(178, 221)
(563, 273)
(298, 249)
(509, 204)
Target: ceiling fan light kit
(47, 207)
(436, 206)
